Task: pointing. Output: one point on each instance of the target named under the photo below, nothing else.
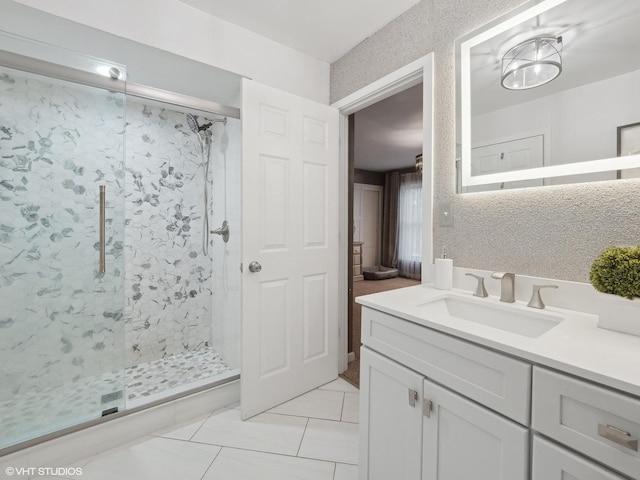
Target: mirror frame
(464, 45)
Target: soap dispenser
(444, 271)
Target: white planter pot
(619, 314)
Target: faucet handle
(480, 291)
(536, 299)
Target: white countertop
(576, 345)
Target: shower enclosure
(113, 295)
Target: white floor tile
(266, 432)
(346, 472)
(339, 385)
(351, 408)
(46, 477)
(182, 432)
(58, 475)
(325, 404)
(233, 464)
(154, 458)
(332, 441)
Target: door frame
(412, 74)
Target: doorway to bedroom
(385, 204)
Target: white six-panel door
(290, 228)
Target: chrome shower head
(192, 121)
(195, 127)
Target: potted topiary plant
(615, 273)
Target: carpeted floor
(366, 287)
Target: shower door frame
(73, 75)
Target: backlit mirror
(550, 94)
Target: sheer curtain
(410, 225)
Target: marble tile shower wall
(60, 319)
(168, 278)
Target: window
(410, 225)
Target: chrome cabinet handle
(618, 436)
(413, 397)
(102, 221)
(255, 267)
(427, 408)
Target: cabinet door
(463, 440)
(390, 426)
(552, 462)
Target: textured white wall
(178, 28)
(547, 232)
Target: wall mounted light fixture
(532, 63)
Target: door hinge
(413, 397)
(427, 408)
(241, 267)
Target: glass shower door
(61, 317)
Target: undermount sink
(505, 317)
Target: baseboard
(351, 356)
(65, 450)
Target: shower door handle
(102, 222)
(255, 267)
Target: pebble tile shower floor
(29, 414)
(173, 371)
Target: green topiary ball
(617, 271)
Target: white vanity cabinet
(553, 462)
(413, 426)
(602, 424)
(468, 405)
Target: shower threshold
(44, 411)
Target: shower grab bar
(102, 222)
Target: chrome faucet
(507, 286)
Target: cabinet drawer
(357, 270)
(601, 423)
(552, 462)
(497, 381)
(356, 259)
(356, 249)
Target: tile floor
(312, 437)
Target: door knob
(255, 267)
